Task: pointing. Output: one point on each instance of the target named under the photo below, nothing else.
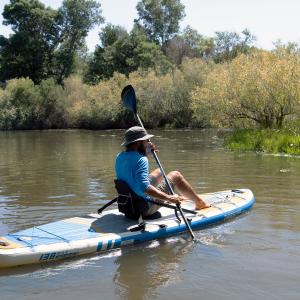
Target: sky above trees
(268, 20)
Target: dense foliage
(124, 53)
(45, 41)
(24, 105)
(182, 79)
(262, 88)
(160, 18)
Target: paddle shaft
(168, 183)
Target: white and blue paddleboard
(99, 233)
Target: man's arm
(155, 193)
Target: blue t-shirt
(133, 168)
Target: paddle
(129, 99)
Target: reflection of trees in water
(142, 270)
(56, 163)
(47, 175)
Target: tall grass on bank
(267, 140)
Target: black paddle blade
(129, 98)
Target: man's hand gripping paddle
(129, 99)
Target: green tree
(189, 44)
(111, 56)
(28, 52)
(176, 49)
(76, 18)
(200, 46)
(229, 45)
(182, 46)
(160, 18)
(110, 34)
(105, 60)
(124, 53)
(147, 54)
(191, 37)
(206, 47)
(45, 41)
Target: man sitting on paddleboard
(132, 166)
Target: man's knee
(175, 177)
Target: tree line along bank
(182, 79)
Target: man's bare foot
(199, 202)
(202, 207)
(202, 204)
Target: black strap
(3, 243)
(151, 201)
(171, 206)
(176, 214)
(163, 204)
(106, 205)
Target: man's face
(142, 147)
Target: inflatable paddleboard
(99, 233)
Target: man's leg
(186, 190)
(155, 177)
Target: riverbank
(264, 140)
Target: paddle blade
(129, 98)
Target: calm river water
(51, 175)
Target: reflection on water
(140, 271)
(50, 175)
